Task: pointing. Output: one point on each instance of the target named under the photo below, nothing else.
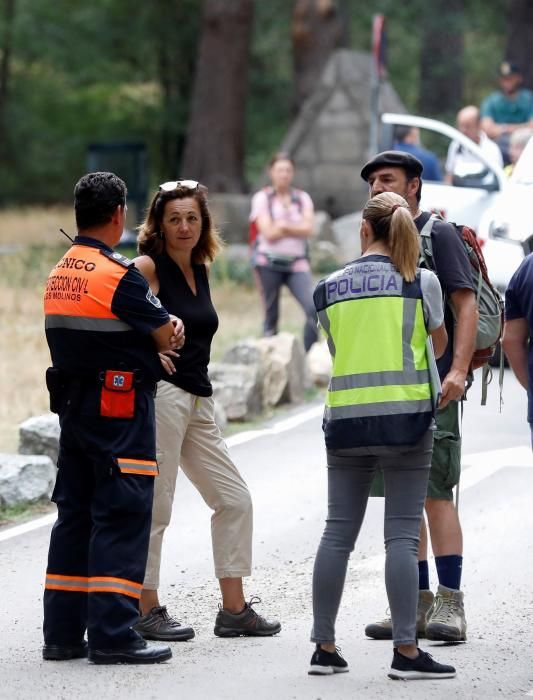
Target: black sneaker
(424, 666)
(244, 624)
(158, 625)
(324, 663)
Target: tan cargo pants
(188, 436)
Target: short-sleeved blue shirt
(519, 304)
(428, 159)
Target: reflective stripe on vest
(377, 338)
(93, 584)
(80, 290)
(82, 323)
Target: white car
(495, 206)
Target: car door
(463, 204)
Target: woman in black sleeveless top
(176, 241)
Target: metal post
(378, 72)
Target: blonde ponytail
(391, 222)
(403, 242)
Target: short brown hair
(150, 242)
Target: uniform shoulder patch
(118, 258)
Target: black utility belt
(117, 389)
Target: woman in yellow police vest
(378, 313)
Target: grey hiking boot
(246, 623)
(383, 629)
(446, 622)
(159, 625)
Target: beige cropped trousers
(188, 436)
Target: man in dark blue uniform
(104, 328)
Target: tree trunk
(318, 27)
(441, 58)
(5, 71)
(214, 149)
(520, 37)
(176, 58)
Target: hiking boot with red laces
(244, 624)
(158, 625)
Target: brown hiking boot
(446, 622)
(244, 624)
(383, 629)
(159, 625)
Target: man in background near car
(507, 109)
(518, 141)
(407, 139)
(461, 162)
(441, 618)
(519, 329)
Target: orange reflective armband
(117, 399)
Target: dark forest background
(211, 86)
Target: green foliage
(235, 270)
(91, 72)
(270, 77)
(23, 511)
(484, 39)
(107, 70)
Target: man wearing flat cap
(441, 617)
(507, 109)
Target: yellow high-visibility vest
(380, 391)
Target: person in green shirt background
(507, 109)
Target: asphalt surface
(284, 468)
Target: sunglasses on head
(174, 184)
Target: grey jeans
(350, 474)
(301, 286)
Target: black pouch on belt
(56, 385)
(117, 399)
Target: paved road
(284, 467)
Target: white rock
(40, 436)
(25, 478)
(319, 363)
(237, 389)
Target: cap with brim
(509, 68)
(395, 159)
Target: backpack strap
(296, 198)
(426, 247)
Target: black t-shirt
(199, 317)
(454, 271)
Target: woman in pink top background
(284, 217)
